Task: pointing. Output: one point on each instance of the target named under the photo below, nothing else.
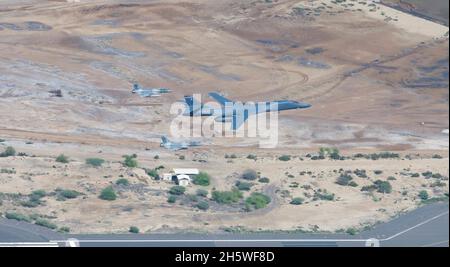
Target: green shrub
(9, 152)
(108, 193)
(257, 200)
(344, 179)
(391, 178)
(251, 156)
(243, 186)
(38, 194)
(285, 158)
(423, 195)
(152, 173)
(427, 174)
(171, 199)
(202, 179)
(62, 159)
(249, 175)
(202, 205)
(324, 196)
(182, 157)
(383, 186)
(369, 188)
(360, 173)
(202, 193)
(45, 223)
(122, 181)
(64, 229)
(378, 172)
(69, 194)
(264, 180)
(134, 230)
(95, 162)
(130, 161)
(192, 197)
(177, 190)
(227, 197)
(17, 216)
(351, 231)
(353, 184)
(297, 201)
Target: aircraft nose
(304, 105)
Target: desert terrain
(377, 79)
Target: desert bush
(152, 173)
(202, 193)
(249, 175)
(391, 178)
(171, 199)
(62, 158)
(264, 180)
(297, 201)
(17, 216)
(45, 223)
(69, 194)
(108, 193)
(227, 197)
(202, 179)
(64, 229)
(423, 195)
(177, 190)
(130, 161)
(243, 186)
(257, 200)
(134, 230)
(344, 179)
(383, 186)
(123, 181)
(352, 184)
(95, 162)
(285, 158)
(9, 152)
(369, 188)
(202, 205)
(324, 196)
(378, 172)
(251, 156)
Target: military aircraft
(149, 92)
(238, 114)
(166, 143)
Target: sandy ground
(376, 80)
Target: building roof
(186, 171)
(183, 177)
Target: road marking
(251, 240)
(29, 244)
(415, 226)
(435, 244)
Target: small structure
(183, 180)
(180, 176)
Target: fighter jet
(237, 115)
(149, 92)
(166, 143)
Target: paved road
(426, 226)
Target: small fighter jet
(149, 92)
(166, 143)
(237, 114)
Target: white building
(181, 176)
